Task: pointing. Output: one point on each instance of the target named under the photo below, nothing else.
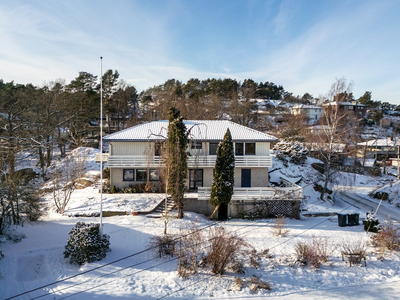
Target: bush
(387, 238)
(85, 245)
(279, 228)
(256, 284)
(371, 223)
(163, 244)
(313, 252)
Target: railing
(258, 193)
(98, 157)
(193, 161)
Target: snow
(130, 272)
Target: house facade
(357, 109)
(312, 112)
(135, 154)
(135, 157)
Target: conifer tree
(176, 158)
(224, 174)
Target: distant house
(134, 157)
(312, 112)
(355, 108)
(380, 148)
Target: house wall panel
(130, 148)
(262, 148)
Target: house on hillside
(312, 112)
(357, 109)
(135, 157)
(381, 149)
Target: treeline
(210, 99)
(36, 119)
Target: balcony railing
(193, 161)
(289, 192)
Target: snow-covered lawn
(131, 272)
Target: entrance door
(195, 179)
(246, 177)
(223, 212)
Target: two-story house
(135, 157)
(312, 112)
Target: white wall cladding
(262, 148)
(131, 148)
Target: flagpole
(101, 147)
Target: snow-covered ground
(130, 272)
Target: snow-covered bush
(294, 152)
(85, 244)
(371, 223)
(313, 252)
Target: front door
(246, 177)
(223, 212)
(195, 179)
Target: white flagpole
(101, 147)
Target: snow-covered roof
(337, 148)
(204, 130)
(303, 106)
(344, 103)
(386, 142)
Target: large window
(154, 175)
(197, 145)
(141, 175)
(129, 175)
(157, 148)
(250, 149)
(213, 148)
(239, 149)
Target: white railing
(98, 157)
(193, 161)
(258, 193)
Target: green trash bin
(356, 219)
(353, 219)
(342, 220)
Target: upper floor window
(213, 148)
(197, 145)
(250, 149)
(157, 149)
(239, 149)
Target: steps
(159, 211)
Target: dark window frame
(237, 147)
(196, 145)
(246, 152)
(124, 175)
(158, 174)
(196, 181)
(209, 148)
(137, 175)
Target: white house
(134, 157)
(312, 112)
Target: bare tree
(64, 180)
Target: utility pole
(101, 147)
(398, 166)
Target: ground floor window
(141, 175)
(129, 175)
(154, 174)
(195, 179)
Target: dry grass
(257, 284)
(313, 252)
(279, 228)
(387, 238)
(164, 245)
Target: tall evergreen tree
(176, 158)
(224, 174)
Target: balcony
(289, 191)
(193, 161)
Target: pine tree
(224, 174)
(176, 159)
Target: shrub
(353, 247)
(371, 223)
(85, 244)
(225, 248)
(256, 284)
(313, 252)
(163, 244)
(279, 228)
(387, 238)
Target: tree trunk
(215, 211)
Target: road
(349, 196)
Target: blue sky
(302, 45)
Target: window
(250, 149)
(157, 148)
(239, 149)
(141, 175)
(129, 175)
(154, 174)
(197, 145)
(213, 148)
(195, 179)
